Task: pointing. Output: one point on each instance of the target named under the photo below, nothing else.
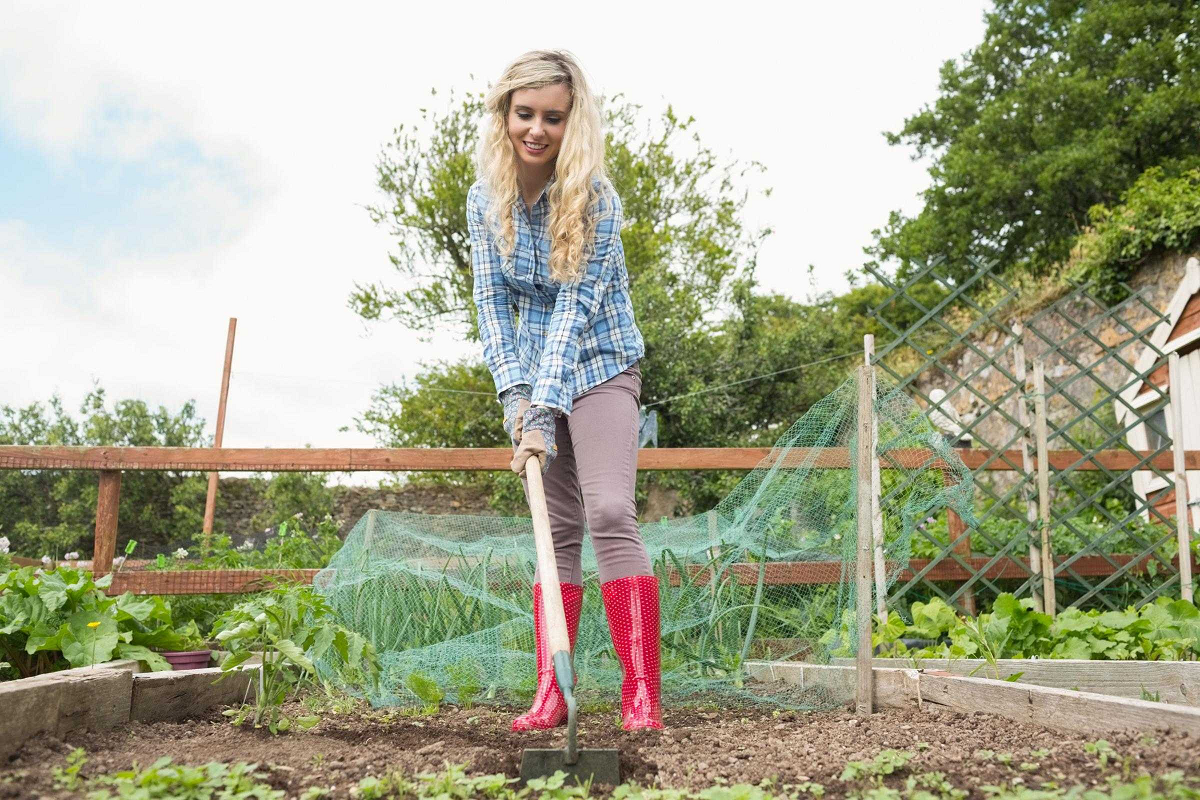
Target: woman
(545, 229)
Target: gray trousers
(591, 481)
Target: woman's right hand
(516, 403)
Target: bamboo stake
(866, 413)
(1039, 407)
(876, 500)
(210, 502)
(1031, 508)
(1182, 520)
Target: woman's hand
(516, 403)
(537, 439)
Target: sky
(167, 166)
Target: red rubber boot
(549, 708)
(632, 608)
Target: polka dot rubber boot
(549, 708)
(632, 608)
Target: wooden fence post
(876, 500)
(1043, 459)
(1031, 506)
(108, 501)
(864, 697)
(210, 501)
(1182, 517)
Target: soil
(698, 749)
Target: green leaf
(147, 656)
(84, 644)
(294, 654)
(52, 591)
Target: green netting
(766, 576)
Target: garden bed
(699, 748)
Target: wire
(648, 405)
(754, 378)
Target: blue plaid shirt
(567, 337)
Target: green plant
(1163, 630)
(426, 690)
(51, 620)
(164, 780)
(885, 763)
(292, 627)
(67, 778)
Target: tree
(51, 512)
(1061, 107)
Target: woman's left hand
(537, 439)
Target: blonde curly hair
(579, 166)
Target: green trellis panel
(969, 336)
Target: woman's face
(536, 121)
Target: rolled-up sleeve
(574, 307)
(493, 301)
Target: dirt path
(698, 749)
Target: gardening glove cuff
(537, 439)
(516, 403)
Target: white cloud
(268, 119)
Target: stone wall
(240, 500)
(1159, 278)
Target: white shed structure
(1179, 332)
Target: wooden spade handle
(552, 605)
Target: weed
(68, 778)
(886, 763)
(164, 780)
(1102, 750)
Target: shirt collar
(546, 188)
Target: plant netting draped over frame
(767, 575)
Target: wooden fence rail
(110, 462)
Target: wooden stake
(1031, 509)
(210, 502)
(1043, 465)
(876, 500)
(108, 501)
(866, 414)
(1182, 518)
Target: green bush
(1159, 212)
(293, 627)
(1165, 630)
(62, 618)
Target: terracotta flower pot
(187, 659)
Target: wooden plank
(86, 698)
(1010, 568)
(864, 703)
(1175, 682)
(827, 683)
(108, 502)
(159, 696)
(1059, 709)
(231, 459)
(205, 581)
(1182, 523)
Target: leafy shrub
(52, 620)
(1166, 629)
(293, 627)
(1160, 211)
